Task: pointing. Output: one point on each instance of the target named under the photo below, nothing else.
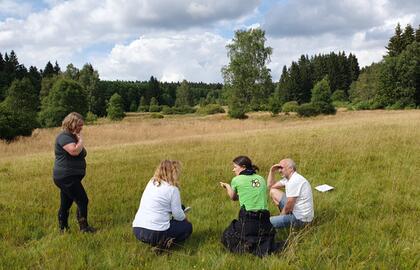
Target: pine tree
(400, 79)
(408, 36)
(396, 43)
(354, 67)
(48, 70)
(3, 79)
(57, 69)
(418, 34)
(294, 82)
(36, 79)
(283, 88)
(88, 78)
(306, 81)
(153, 90)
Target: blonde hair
(71, 121)
(168, 171)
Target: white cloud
(79, 24)
(9, 8)
(168, 56)
(314, 17)
(185, 38)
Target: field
(371, 219)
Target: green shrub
(91, 118)
(143, 108)
(274, 105)
(339, 95)
(340, 104)
(155, 108)
(324, 107)
(133, 106)
(115, 107)
(14, 124)
(156, 115)
(167, 110)
(237, 113)
(65, 97)
(178, 110)
(290, 106)
(362, 105)
(307, 110)
(210, 109)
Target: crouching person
(296, 203)
(252, 232)
(160, 220)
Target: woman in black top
(69, 170)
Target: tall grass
(371, 219)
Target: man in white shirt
(296, 203)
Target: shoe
(84, 226)
(63, 221)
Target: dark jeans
(71, 189)
(179, 230)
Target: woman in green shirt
(252, 232)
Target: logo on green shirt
(255, 183)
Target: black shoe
(63, 221)
(84, 226)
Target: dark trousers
(71, 190)
(178, 230)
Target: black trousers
(252, 233)
(71, 190)
(179, 230)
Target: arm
(271, 182)
(270, 178)
(232, 194)
(176, 209)
(74, 149)
(288, 208)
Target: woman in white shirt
(160, 219)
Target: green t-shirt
(252, 191)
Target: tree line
(394, 82)
(315, 85)
(32, 98)
(41, 98)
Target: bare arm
(271, 182)
(232, 194)
(288, 208)
(74, 149)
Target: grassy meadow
(370, 221)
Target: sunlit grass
(371, 219)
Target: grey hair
(290, 163)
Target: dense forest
(32, 98)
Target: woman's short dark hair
(246, 162)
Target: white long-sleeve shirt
(157, 204)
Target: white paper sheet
(324, 188)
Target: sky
(174, 40)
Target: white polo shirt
(298, 186)
(157, 205)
